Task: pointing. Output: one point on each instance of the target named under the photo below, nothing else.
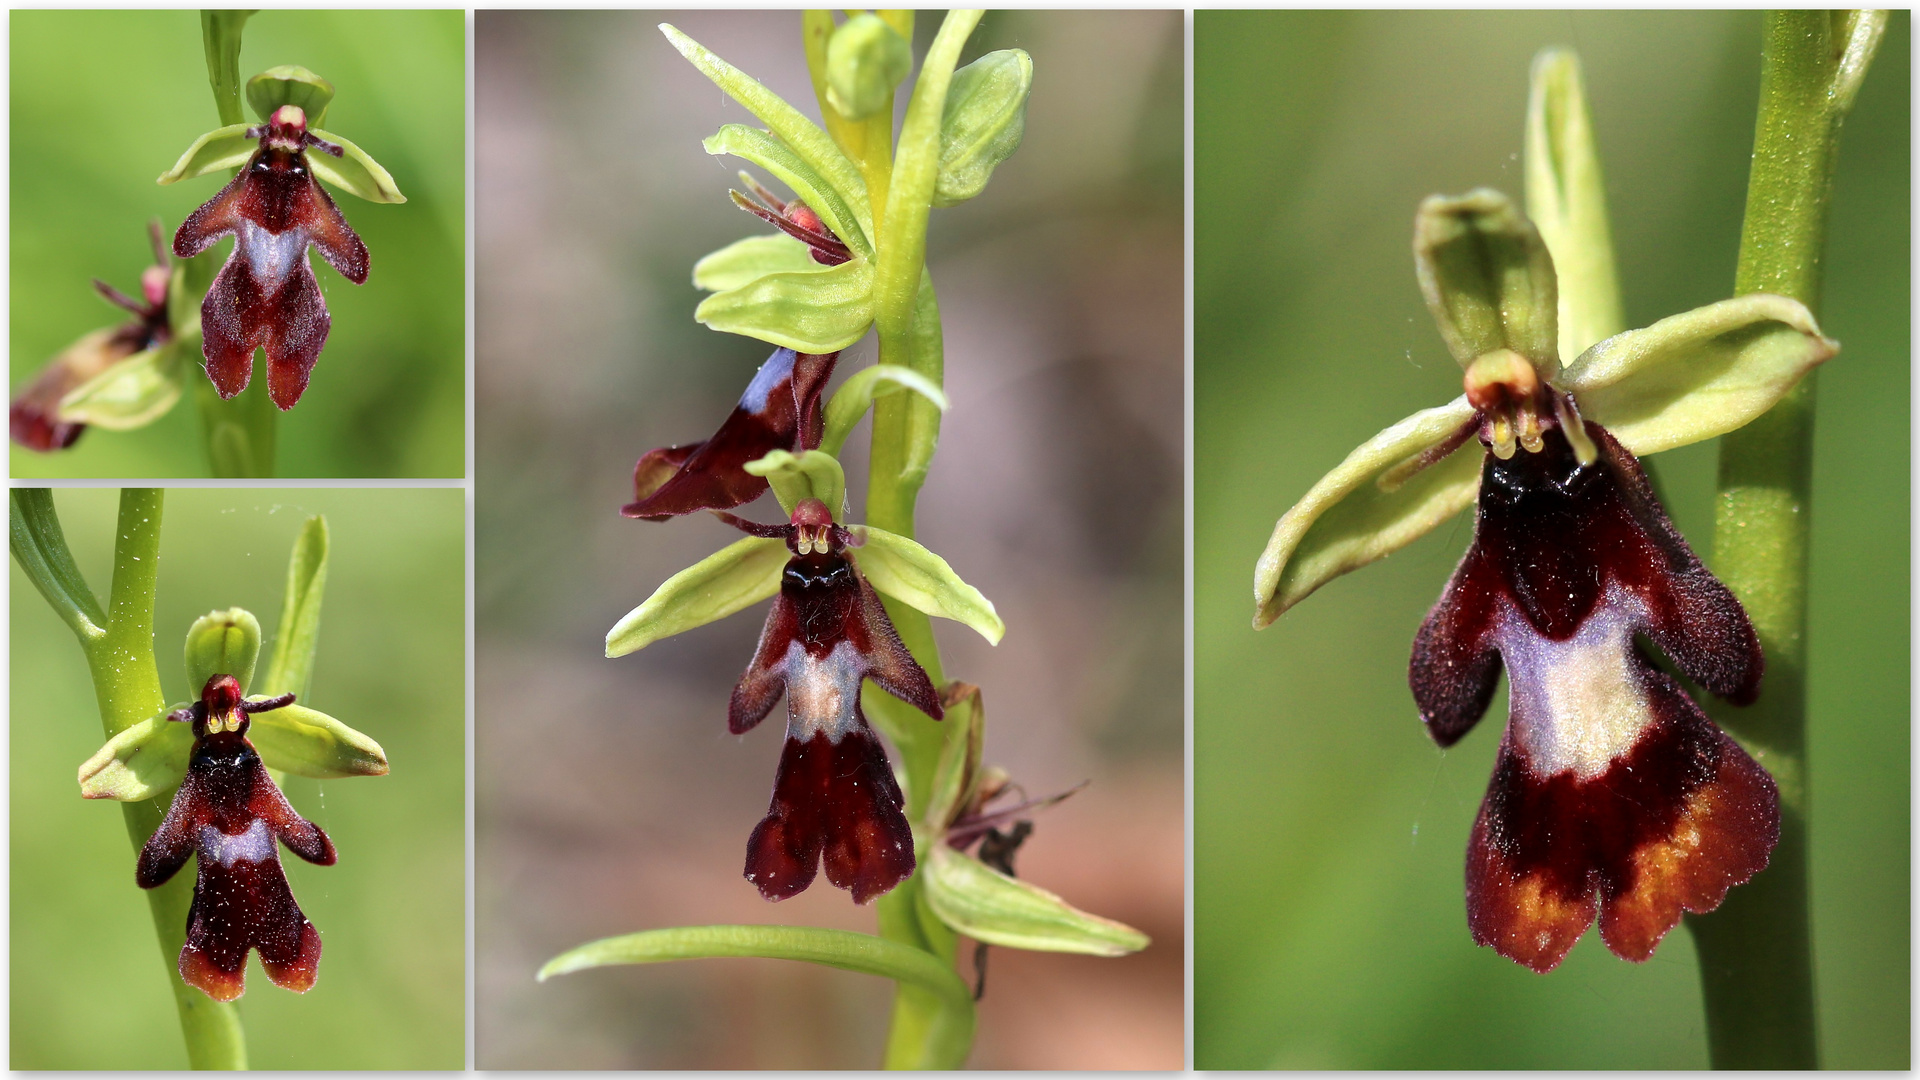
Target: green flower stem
(1756, 956)
(118, 644)
(220, 32)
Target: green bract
(1487, 278)
(989, 906)
(222, 643)
(984, 119)
(745, 261)
(915, 576)
(290, 84)
(866, 59)
(149, 759)
(858, 393)
(810, 474)
(810, 311)
(1567, 202)
(737, 576)
(134, 392)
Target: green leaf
(811, 312)
(307, 742)
(1487, 278)
(1698, 374)
(290, 84)
(858, 393)
(222, 643)
(737, 576)
(133, 392)
(1567, 201)
(40, 547)
(808, 142)
(761, 148)
(353, 171)
(745, 261)
(1369, 507)
(221, 148)
(145, 761)
(810, 474)
(917, 577)
(866, 59)
(987, 905)
(298, 636)
(985, 117)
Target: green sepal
(809, 474)
(1566, 199)
(810, 312)
(745, 261)
(353, 171)
(290, 84)
(858, 393)
(1369, 507)
(134, 392)
(987, 905)
(307, 742)
(1487, 278)
(1698, 374)
(984, 119)
(866, 60)
(222, 643)
(145, 761)
(811, 144)
(768, 152)
(221, 148)
(920, 579)
(737, 576)
(297, 637)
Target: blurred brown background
(610, 797)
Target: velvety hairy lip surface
(1613, 792)
(835, 797)
(780, 410)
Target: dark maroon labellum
(835, 798)
(229, 813)
(779, 411)
(266, 295)
(1613, 790)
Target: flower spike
(779, 411)
(835, 797)
(229, 813)
(266, 294)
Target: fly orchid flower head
(213, 755)
(230, 814)
(1614, 795)
(266, 295)
(35, 418)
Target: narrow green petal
(1567, 201)
(1357, 513)
(809, 312)
(809, 474)
(858, 393)
(221, 148)
(748, 260)
(737, 576)
(815, 190)
(989, 906)
(354, 171)
(1698, 374)
(985, 118)
(307, 742)
(132, 393)
(793, 128)
(917, 577)
(145, 761)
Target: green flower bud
(222, 643)
(1487, 278)
(984, 119)
(866, 59)
(290, 84)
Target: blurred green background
(1330, 833)
(104, 101)
(608, 795)
(89, 987)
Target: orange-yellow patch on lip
(1522, 918)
